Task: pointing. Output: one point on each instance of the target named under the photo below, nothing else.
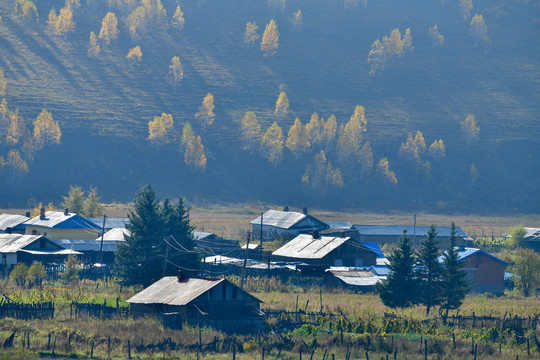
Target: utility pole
(245, 262)
(166, 257)
(101, 245)
(261, 229)
(414, 231)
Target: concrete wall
(59, 234)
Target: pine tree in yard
(180, 238)
(399, 290)
(454, 281)
(136, 257)
(429, 271)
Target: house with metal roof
(13, 223)
(200, 301)
(485, 271)
(284, 225)
(15, 248)
(531, 239)
(354, 279)
(91, 250)
(383, 234)
(62, 225)
(110, 223)
(326, 251)
(213, 244)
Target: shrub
(71, 273)
(18, 274)
(36, 274)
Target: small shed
(326, 251)
(216, 303)
(361, 280)
(284, 225)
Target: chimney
(286, 208)
(66, 212)
(27, 214)
(304, 210)
(42, 214)
(181, 275)
(316, 234)
(342, 235)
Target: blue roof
(397, 230)
(380, 270)
(468, 252)
(110, 223)
(373, 246)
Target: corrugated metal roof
(87, 245)
(532, 234)
(467, 252)
(199, 235)
(251, 246)
(52, 252)
(11, 220)
(340, 225)
(397, 230)
(304, 246)
(380, 270)
(110, 223)
(57, 219)
(170, 291)
(220, 259)
(281, 219)
(116, 234)
(11, 243)
(361, 280)
(373, 246)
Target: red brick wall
(488, 270)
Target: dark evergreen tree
(136, 259)
(399, 289)
(429, 271)
(455, 284)
(179, 239)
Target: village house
(213, 244)
(390, 234)
(531, 239)
(16, 248)
(216, 303)
(13, 223)
(284, 225)
(62, 225)
(485, 271)
(326, 251)
(110, 222)
(355, 279)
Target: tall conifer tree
(399, 290)
(429, 271)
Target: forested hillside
(374, 104)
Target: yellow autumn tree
(376, 57)
(409, 150)
(206, 111)
(297, 139)
(282, 105)
(297, 18)
(470, 129)
(187, 135)
(16, 128)
(16, 164)
(269, 42)
(160, 130)
(436, 37)
(25, 10)
(52, 22)
(178, 21)
(465, 8)
(272, 144)
(46, 130)
(437, 150)
(393, 45)
(365, 159)
(109, 28)
(388, 176)
(420, 143)
(351, 137)
(251, 131)
(250, 34)
(175, 71)
(134, 55)
(478, 30)
(320, 174)
(137, 22)
(94, 49)
(329, 132)
(314, 130)
(194, 155)
(3, 83)
(407, 41)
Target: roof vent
(42, 214)
(286, 208)
(66, 212)
(27, 214)
(316, 234)
(304, 210)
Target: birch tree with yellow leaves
(160, 130)
(351, 137)
(134, 55)
(320, 174)
(437, 150)
(178, 22)
(46, 130)
(282, 105)
(94, 49)
(388, 176)
(329, 132)
(175, 71)
(206, 111)
(109, 28)
(251, 131)
(250, 34)
(272, 144)
(314, 131)
(269, 42)
(297, 139)
(193, 149)
(470, 129)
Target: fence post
(92, 351)
(367, 355)
(54, 346)
(108, 344)
(49, 342)
(475, 350)
(454, 340)
(129, 350)
(425, 349)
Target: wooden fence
(44, 310)
(101, 311)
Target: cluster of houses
(335, 254)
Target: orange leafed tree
(109, 28)
(297, 139)
(160, 129)
(134, 55)
(272, 144)
(269, 42)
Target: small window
(44, 234)
(34, 232)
